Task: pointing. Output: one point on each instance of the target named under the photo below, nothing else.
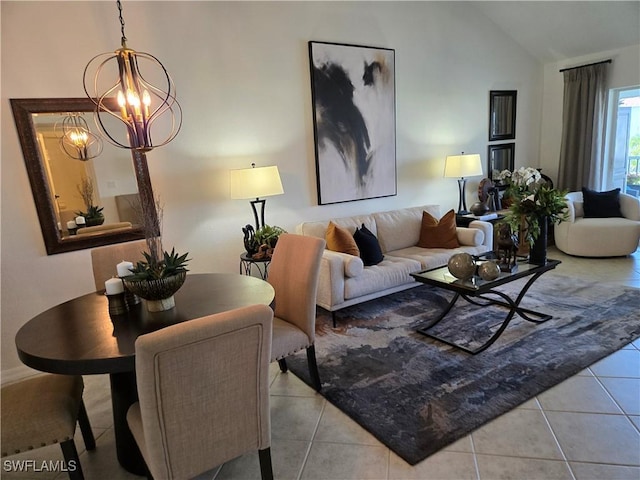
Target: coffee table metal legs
(123, 394)
(512, 305)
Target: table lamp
(255, 183)
(461, 166)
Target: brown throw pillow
(438, 234)
(340, 240)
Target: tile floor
(587, 427)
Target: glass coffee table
(479, 292)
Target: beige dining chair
(43, 410)
(293, 273)
(203, 387)
(105, 259)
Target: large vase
(538, 251)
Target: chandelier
(146, 102)
(76, 140)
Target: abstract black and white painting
(354, 119)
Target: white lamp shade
(464, 165)
(255, 182)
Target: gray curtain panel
(583, 125)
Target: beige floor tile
(463, 445)
(589, 437)
(494, 467)
(289, 384)
(623, 363)
(102, 463)
(625, 391)
(336, 427)
(346, 462)
(592, 471)
(443, 465)
(578, 394)
(295, 418)
(287, 457)
(531, 404)
(97, 399)
(519, 432)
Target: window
(624, 141)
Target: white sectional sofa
(345, 281)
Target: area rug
(418, 395)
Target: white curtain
(583, 128)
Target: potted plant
(161, 274)
(260, 244)
(93, 215)
(535, 205)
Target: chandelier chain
(124, 38)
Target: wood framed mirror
(502, 114)
(118, 177)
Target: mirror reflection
(501, 157)
(101, 191)
(85, 196)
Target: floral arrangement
(533, 202)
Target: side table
(247, 263)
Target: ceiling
(555, 31)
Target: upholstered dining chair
(43, 410)
(293, 273)
(105, 259)
(203, 387)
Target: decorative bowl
(156, 290)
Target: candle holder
(117, 304)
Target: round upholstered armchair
(601, 235)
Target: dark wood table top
(79, 338)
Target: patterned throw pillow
(370, 251)
(340, 240)
(436, 233)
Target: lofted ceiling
(555, 31)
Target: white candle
(113, 286)
(80, 221)
(71, 224)
(124, 268)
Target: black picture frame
(354, 121)
(500, 157)
(502, 114)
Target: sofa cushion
(434, 257)
(340, 240)
(319, 228)
(368, 245)
(436, 233)
(601, 204)
(391, 272)
(470, 236)
(401, 228)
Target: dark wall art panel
(354, 119)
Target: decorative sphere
(462, 266)
(489, 271)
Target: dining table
(79, 337)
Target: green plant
(529, 209)
(92, 212)
(268, 235)
(154, 269)
(633, 179)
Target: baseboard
(12, 375)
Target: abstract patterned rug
(418, 395)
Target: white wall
(242, 75)
(624, 71)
